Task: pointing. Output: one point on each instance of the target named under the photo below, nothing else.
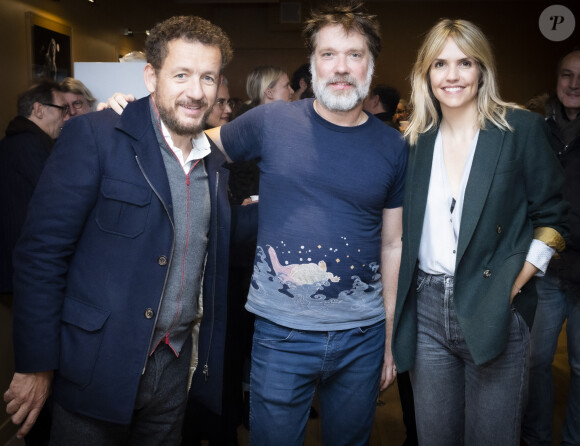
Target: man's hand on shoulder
(117, 102)
(25, 397)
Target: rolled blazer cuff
(550, 237)
(540, 255)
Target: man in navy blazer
(127, 230)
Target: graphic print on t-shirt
(301, 274)
(312, 273)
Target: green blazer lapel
(417, 184)
(487, 152)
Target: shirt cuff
(539, 255)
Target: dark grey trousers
(157, 417)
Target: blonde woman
(268, 84)
(482, 215)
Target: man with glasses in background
(42, 111)
(79, 98)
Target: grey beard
(341, 102)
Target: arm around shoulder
(215, 135)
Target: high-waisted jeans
(456, 401)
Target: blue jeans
(288, 364)
(555, 305)
(456, 401)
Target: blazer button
(498, 229)
(149, 313)
(162, 260)
(487, 274)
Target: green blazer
(513, 191)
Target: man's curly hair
(189, 28)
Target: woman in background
(482, 215)
(266, 84)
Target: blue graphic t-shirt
(323, 189)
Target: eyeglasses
(63, 108)
(78, 104)
(221, 102)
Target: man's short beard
(337, 101)
(172, 123)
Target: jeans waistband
(436, 278)
(362, 326)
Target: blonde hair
(260, 79)
(471, 41)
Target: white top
(201, 148)
(438, 248)
(441, 224)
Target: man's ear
(38, 110)
(150, 77)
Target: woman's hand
(528, 271)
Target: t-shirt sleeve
(396, 192)
(242, 137)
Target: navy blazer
(91, 265)
(513, 188)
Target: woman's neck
(460, 123)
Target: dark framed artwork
(50, 48)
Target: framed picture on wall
(50, 48)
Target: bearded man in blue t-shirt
(329, 241)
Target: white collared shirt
(200, 148)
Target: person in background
(30, 136)
(267, 84)
(401, 116)
(126, 235)
(79, 98)
(559, 289)
(382, 103)
(483, 213)
(23, 153)
(236, 104)
(538, 103)
(329, 238)
(221, 113)
(264, 84)
(301, 83)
